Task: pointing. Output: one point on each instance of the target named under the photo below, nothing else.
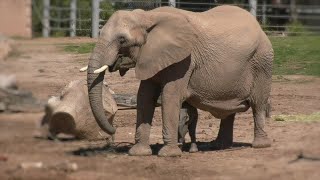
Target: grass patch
(300, 117)
(296, 55)
(79, 48)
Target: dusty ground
(42, 67)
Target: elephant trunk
(94, 82)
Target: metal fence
(86, 21)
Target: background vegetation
(296, 55)
(83, 13)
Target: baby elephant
(188, 123)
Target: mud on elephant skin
(70, 113)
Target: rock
(69, 113)
(65, 166)
(8, 81)
(31, 165)
(41, 70)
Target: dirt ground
(42, 67)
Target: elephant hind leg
(260, 109)
(225, 135)
(259, 99)
(261, 139)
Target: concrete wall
(15, 18)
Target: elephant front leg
(170, 120)
(147, 96)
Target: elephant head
(153, 40)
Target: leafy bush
(295, 28)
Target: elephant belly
(220, 109)
(220, 97)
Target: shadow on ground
(123, 148)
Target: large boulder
(69, 113)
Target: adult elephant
(218, 61)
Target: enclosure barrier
(274, 18)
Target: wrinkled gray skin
(219, 61)
(188, 117)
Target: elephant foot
(221, 144)
(193, 148)
(170, 151)
(140, 150)
(261, 142)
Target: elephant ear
(169, 41)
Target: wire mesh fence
(56, 18)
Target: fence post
(264, 11)
(73, 17)
(172, 3)
(293, 10)
(45, 18)
(253, 7)
(95, 18)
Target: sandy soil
(42, 67)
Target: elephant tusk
(84, 69)
(103, 68)
(111, 91)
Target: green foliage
(296, 55)
(81, 48)
(300, 117)
(84, 27)
(83, 13)
(295, 28)
(37, 8)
